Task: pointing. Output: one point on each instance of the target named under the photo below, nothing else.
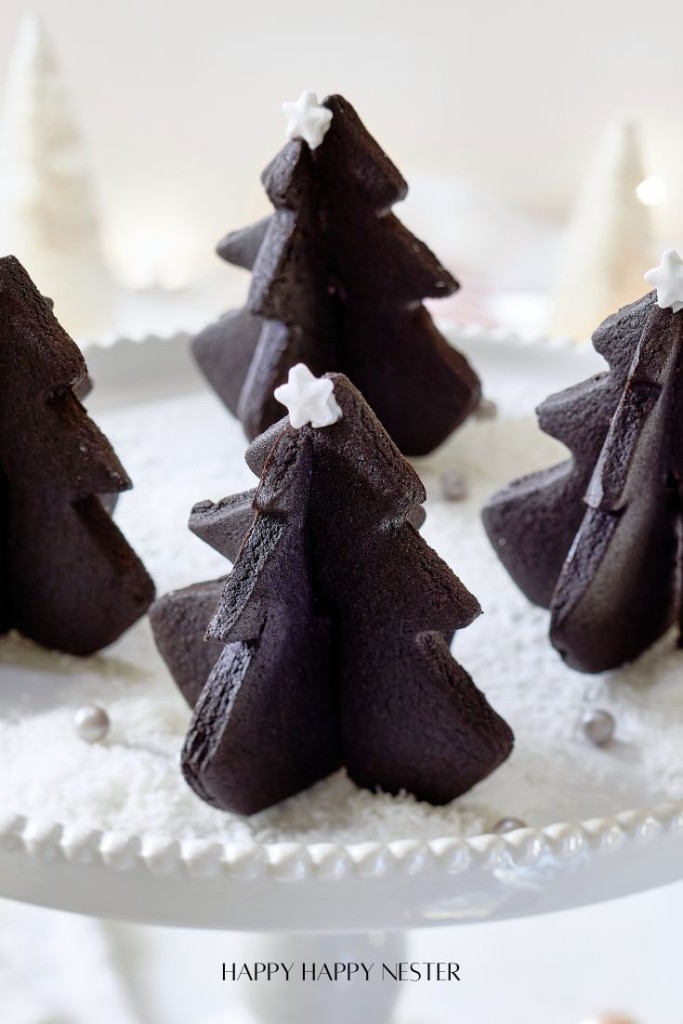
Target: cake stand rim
(44, 841)
(454, 331)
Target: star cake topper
(308, 399)
(667, 278)
(307, 119)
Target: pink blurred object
(471, 304)
(503, 259)
(608, 1018)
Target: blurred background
(544, 151)
(496, 114)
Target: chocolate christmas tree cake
(68, 578)
(329, 644)
(597, 539)
(337, 283)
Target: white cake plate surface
(144, 877)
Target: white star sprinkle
(307, 119)
(667, 278)
(308, 399)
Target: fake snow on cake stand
(599, 828)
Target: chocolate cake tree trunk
(597, 539)
(338, 284)
(69, 579)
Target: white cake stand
(324, 901)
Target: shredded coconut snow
(184, 449)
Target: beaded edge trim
(564, 842)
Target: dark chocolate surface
(179, 622)
(68, 578)
(334, 623)
(338, 283)
(596, 539)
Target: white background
(180, 101)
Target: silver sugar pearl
(91, 723)
(486, 410)
(454, 485)
(598, 726)
(508, 825)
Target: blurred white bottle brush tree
(48, 216)
(609, 239)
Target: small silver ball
(91, 723)
(454, 485)
(598, 726)
(508, 825)
(486, 410)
